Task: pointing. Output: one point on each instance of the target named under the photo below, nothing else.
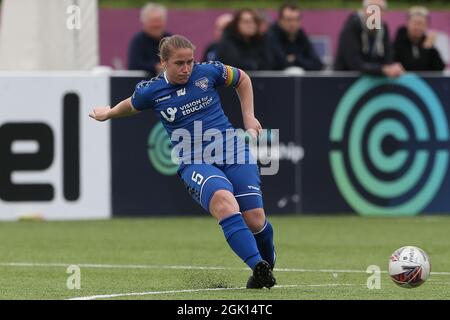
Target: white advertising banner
(49, 35)
(54, 159)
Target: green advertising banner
(388, 145)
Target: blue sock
(241, 239)
(264, 240)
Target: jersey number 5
(197, 177)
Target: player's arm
(244, 90)
(122, 109)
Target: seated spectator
(264, 21)
(220, 24)
(366, 49)
(143, 49)
(288, 44)
(241, 44)
(414, 46)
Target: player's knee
(223, 204)
(255, 219)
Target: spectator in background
(414, 46)
(288, 44)
(241, 44)
(365, 49)
(264, 21)
(143, 49)
(220, 24)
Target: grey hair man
(143, 48)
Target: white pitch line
(117, 295)
(111, 266)
(180, 267)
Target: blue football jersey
(179, 106)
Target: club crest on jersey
(171, 112)
(202, 83)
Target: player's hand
(100, 113)
(253, 126)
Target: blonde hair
(168, 44)
(418, 11)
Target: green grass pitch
(188, 258)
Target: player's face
(179, 65)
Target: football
(409, 267)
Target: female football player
(184, 97)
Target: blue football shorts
(242, 180)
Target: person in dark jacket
(288, 44)
(242, 45)
(220, 24)
(414, 47)
(144, 46)
(366, 48)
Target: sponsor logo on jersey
(171, 112)
(196, 105)
(202, 83)
(181, 92)
(163, 98)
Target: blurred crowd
(248, 40)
